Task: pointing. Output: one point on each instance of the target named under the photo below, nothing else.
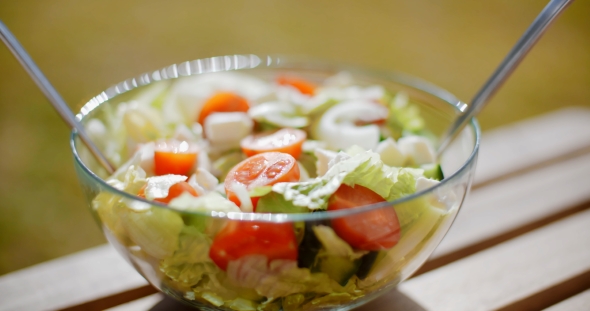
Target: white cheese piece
(228, 128)
(390, 153)
(159, 186)
(324, 157)
(425, 183)
(203, 181)
(418, 148)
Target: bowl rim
(251, 61)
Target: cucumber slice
(338, 268)
(309, 245)
(433, 171)
(366, 264)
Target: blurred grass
(83, 47)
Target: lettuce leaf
(155, 230)
(190, 262)
(404, 116)
(363, 168)
(212, 201)
(279, 278)
(334, 245)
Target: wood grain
(512, 271)
(579, 302)
(70, 280)
(527, 144)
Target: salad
(222, 143)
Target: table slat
(523, 145)
(509, 272)
(579, 302)
(505, 206)
(70, 280)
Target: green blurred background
(85, 46)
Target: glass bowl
(170, 247)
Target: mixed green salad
(230, 142)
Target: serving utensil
(510, 62)
(51, 94)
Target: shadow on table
(393, 301)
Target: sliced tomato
(304, 86)
(285, 140)
(263, 169)
(223, 102)
(175, 191)
(374, 230)
(174, 157)
(241, 238)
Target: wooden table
(520, 242)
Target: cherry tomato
(371, 231)
(304, 86)
(263, 169)
(175, 191)
(285, 140)
(241, 238)
(223, 102)
(174, 157)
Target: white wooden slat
(501, 207)
(145, 303)
(579, 302)
(70, 280)
(508, 272)
(533, 141)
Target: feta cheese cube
(417, 148)
(228, 128)
(390, 153)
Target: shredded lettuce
(155, 230)
(279, 278)
(404, 116)
(190, 262)
(212, 201)
(362, 168)
(333, 245)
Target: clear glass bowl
(431, 211)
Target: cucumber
(338, 268)
(309, 245)
(366, 264)
(432, 171)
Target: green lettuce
(212, 201)
(279, 278)
(404, 116)
(190, 262)
(363, 168)
(155, 230)
(333, 245)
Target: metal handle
(518, 52)
(51, 93)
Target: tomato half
(223, 102)
(263, 169)
(304, 86)
(285, 140)
(241, 238)
(175, 191)
(374, 230)
(174, 157)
